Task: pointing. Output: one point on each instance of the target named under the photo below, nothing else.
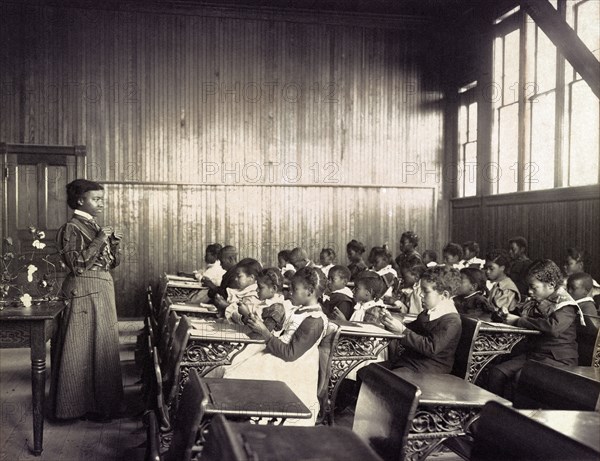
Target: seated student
(519, 264)
(380, 260)
(431, 340)
(504, 294)
(579, 286)
(355, 250)
(409, 241)
(243, 299)
(408, 297)
(574, 263)
(228, 260)
(471, 255)
(453, 254)
(369, 289)
(283, 262)
(299, 259)
(214, 271)
(270, 291)
(550, 310)
(293, 357)
(338, 304)
(429, 258)
(471, 299)
(326, 258)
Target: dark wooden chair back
(502, 433)
(587, 340)
(385, 408)
(152, 452)
(173, 362)
(165, 340)
(187, 419)
(549, 387)
(158, 396)
(464, 351)
(326, 349)
(216, 447)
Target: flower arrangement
(22, 282)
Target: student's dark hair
(443, 278)
(431, 253)
(285, 255)
(587, 282)
(272, 277)
(546, 271)
(415, 269)
(411, 236)
(356, 246)
(329, 252)
(520, 241)
(380, 252)
(577, 254)
(227, 251)
(476, 277)
(250, 267)
(342, 271)
(77, 189)
(453, 249)
(214, 248)
(373, 282)
(312, 278)
(500, 257)
(472, 246)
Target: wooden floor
(78, 440)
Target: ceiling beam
(566, 40)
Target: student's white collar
(387, 270)
(443, 308)
(345, 291)
(84, 214)
(587, 298)
(368, 305)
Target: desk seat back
(549, 387)
(165, 341)
(173, 362)
(588, 338)
(187, 419)
(326, 349)
(464, 351)
(502, 433)
(384, 411)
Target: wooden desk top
(492, 327)
(44, 311)
(288, 442)
(364, 329)
(273, 399)
(448, 390)
(199, 308)
(591, 373)
(222, 331)
(583, 426)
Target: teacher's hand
(117, 235)
(105, 232)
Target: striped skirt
(86, 368)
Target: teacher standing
(86, 368)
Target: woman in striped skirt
(86, 369)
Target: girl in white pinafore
(293, 357)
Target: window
(580, 162)
(467, 141)
(545, 117)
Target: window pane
(588, 18)
(546, 63)
(584, 139)
(511, 67)
(469, 170)
(462, 124)
(508, 151)
(498, 53)
(472, 122)
(540, 172)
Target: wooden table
(238, 441)
(583, 426)
(178, 288)
(446, 407)
(192, 309)
(358, 343)
(214, 343)
(32, 327)
(492, 340)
